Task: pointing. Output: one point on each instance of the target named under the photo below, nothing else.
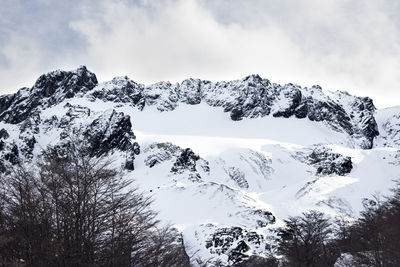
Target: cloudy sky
(338, 44)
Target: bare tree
(305, 241)
(374, 238)
(76, 210)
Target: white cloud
(342, 45)
(178, 40)
(21, 58)
(25, 60)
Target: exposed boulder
(235, 242)
(4, 134)
(325, 161)
(160, 152)
(184, 161)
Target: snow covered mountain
(226, 161)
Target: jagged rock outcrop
(160, 152)
(235, 242)
(4, 134)
(120, 90)
(328, 162)
(9, 155)
(64, 84)
(184, 161)
(100, 133)
(325, 161)
(110, 131)
(49, 89)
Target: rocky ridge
(249, 97)
(252, 97)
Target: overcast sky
(338, 44)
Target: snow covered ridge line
(249, 97)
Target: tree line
(314, 240)
(75, 210)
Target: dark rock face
(331, 112)
(13, 155)
(186, 160)
(49, 89)
(249, 97)
(363, 113)
(6, 101)
(327, 162)
(29, 145)
(234, 242)
(360, 111)
(129, 163)
(22, 107)
(76, 111)
(293, 94)
(264, 217)
(9, 155)
(190, 91)
(391, 130)
(4, 134)
(162, 95)
(101, 134)
(67, 83)
(121, 90)
(237, 114)
(110, 132)
(301, 111)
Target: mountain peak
(66, 82)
